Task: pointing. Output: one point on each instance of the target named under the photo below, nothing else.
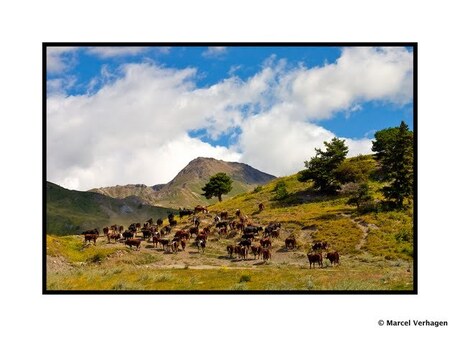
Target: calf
(333, 257)
(315, 258)
(133, 242)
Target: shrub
(280, 191)
(245, 278)
(96, 258)
(257, 189)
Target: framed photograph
(230, 168)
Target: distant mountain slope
(71, 212)
(185, 189)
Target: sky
(120, 115)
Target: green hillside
(375, 246)
(71, 212)
(312, 216)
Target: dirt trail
(364, 227)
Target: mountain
(185, 189)
(71, 212)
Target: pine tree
(218, 185)
(321, 168)
(396, 156)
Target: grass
(363, 277)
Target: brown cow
(133, 242)
(183, 244)
(265, 242)
(201, 236)
(155, 239)
(333, 257)
(275, 233)
(193, 230)
(114, 236)
(200, 208)
(91, 237)
(224, 215)
(230, 250)
(256, 250)
(206, 230)
(315, 258)
(266, 255)
(261, 207)
(181, 233)
(290, 242)
(241, 251)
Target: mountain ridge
(184, 190)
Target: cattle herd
(201, 225)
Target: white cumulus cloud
(134, 128)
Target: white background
(24, 25)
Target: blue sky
(114, 113)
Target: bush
(280, 191)
(96, 258)
(257, 189)
(245, 278)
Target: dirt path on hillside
(363, 226)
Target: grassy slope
(70, 212)
(376, 250)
